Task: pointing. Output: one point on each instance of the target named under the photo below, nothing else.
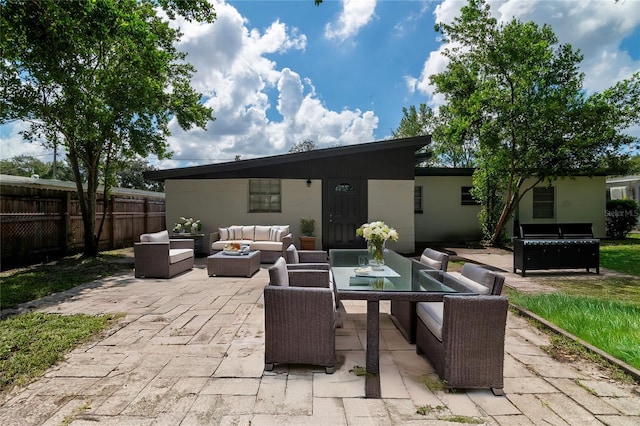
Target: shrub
(622, 216)
(307, 226)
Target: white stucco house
(624, 188)
(343, 187)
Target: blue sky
(277, 72)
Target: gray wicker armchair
(299, 318)
(467, 347)
(294, 256)
(403, 313)
(158, 256)
(463, 336)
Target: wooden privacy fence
(38, 222)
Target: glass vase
(376, 253)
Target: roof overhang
(221, 170)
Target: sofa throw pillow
(235, 232)
(223, 233)
(262, 232)
(283, 228)
(275, 234)
(248, 233)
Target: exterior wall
(392, 202)
(580, 199)
(224, 202)
(443, 217)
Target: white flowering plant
(187, 224)
(377, 232)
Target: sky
(277, 72)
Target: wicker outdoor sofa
(271, 240)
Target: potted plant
(307, 240)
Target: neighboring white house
(624, 188)
(343, 187)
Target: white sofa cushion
(176, 255)
(266, 245)
(262, 233)
(235, 232)
(223, 234)
(248, 232)
(155, 237)
(431, 314)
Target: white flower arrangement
(187, 224)
(377, 232)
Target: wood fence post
(112, 237)
(66, 227)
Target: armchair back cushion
(481, 280)
(278, 274)
(292, 254)
(262, 233)
(435, 259)
(155, 237)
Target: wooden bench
(555, 246)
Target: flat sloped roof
(308, 164)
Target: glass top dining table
(400, 278)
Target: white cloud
(595, 27)
(238, 79)
(14, 145)
(355, 15)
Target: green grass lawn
(30, 343)
(25, 285)
(603, 312)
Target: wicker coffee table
(225, 265)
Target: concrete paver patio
(189, 351)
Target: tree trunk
(89, 221)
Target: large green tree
(517, 95)
(26, 165)
(425, 121)
(303, 146)
(102, 78)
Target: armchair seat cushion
(431, 314)
(176, 255)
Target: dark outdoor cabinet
(556, 246)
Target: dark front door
(345, 202)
